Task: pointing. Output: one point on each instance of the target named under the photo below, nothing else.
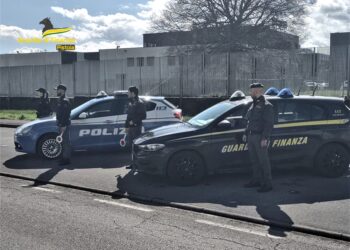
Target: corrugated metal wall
(192, 74)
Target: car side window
(318, 113)
(150, 106)
(293, 111)
(237, 117)
(101, 109)
(120, 106)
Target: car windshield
(210, 114)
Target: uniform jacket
(260, 117)
(63, 112)
(136, 113)
(43, 108)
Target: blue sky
(110, 23)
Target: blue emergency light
(272, 91)
(285, 93)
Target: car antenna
(299, 89)
(314, 90)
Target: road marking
(124, 205)
(45, 189)
(244, 230)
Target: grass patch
(13, 114)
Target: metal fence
(190, 74)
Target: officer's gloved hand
(244, 138)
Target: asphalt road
(299, 198)
(51, 217)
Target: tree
(229, 24)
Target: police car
(308, 131)
(96, 124)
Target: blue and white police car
(96, 124)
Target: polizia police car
(96, 124)
(308, 131)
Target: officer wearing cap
(260, 119)
(43, 108)
(135, 114)
(63, 122)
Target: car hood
(50, 120)
(166, 132)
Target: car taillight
(178, 114)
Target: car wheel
(186, 168)
(49, 148)
(332, 160)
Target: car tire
(332, 160)
(186, 168)
(49, 148)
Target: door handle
(109, 121)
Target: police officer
(135, 114)
(43, 108)
(63, 122)
(260, 119)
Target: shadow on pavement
(80, 160)
(295, 186)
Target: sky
(107, 24)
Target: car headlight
(152, 147)
(23, 130)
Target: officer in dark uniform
(63, 122)
(259, 127)
(135, 114)
(43, 108)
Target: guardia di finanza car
(308, 131)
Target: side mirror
(224, 125)
(83, 115)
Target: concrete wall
(29, 59)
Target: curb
(12, 123)
(132, 197)
(8, 125)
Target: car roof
(301, 97)
(308, 97)
(143, 97)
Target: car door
(151, 121)
(95, 126)
(226, 145)
(151, 118)
(297, 131)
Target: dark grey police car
(309, 131)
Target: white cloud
(16, 32)
(95, 46)
(94, 32)
(124, 28)
(152, 8)
(326, 17)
